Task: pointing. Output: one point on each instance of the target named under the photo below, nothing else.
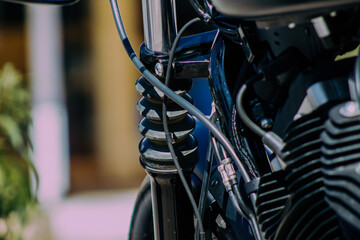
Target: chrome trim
(159, 18)
(323, 92)
(155, 209)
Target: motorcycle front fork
(172, 212)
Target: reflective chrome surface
(159, 17)
(321, 93)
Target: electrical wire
(235, 195)
(250, 216)
(169, 139)
(248, 212)
(236, 198)
(206, 175)
(204, 187)
(216, 150)
(172, 95)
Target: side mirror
(56, 2)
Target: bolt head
(333, 14)
(266, 123)
(159, 69)
(292, 25)
(214, 183)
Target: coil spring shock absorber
(167, 190)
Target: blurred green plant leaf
(16, 167)
(10, 77)
(10, 128)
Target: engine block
(341, 169)
(305, 214)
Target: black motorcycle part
(299, 211)
(262, 113)
(307, 215)
(153, 149)
(264, 9)
(147, 90)
(142, 228)
(220, 83)
(341, 162)
(191, 59)
(271, 198)
(235, 226)
(276, 76)
(325, 83)
(270, 203)
(304, 35)
(170, 202)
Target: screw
(266, 123)
(214, 183)
(159, 69)
(292, 25)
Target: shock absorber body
(172, 212)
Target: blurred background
(84, 112)
(98, 81)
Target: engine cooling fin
(307, 215)
(271, 199)
(341, 169)
(304, 215)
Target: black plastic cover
(257, 9)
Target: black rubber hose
(243, 115)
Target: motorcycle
(282, 157)
(278, 156)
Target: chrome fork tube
(159, 18)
